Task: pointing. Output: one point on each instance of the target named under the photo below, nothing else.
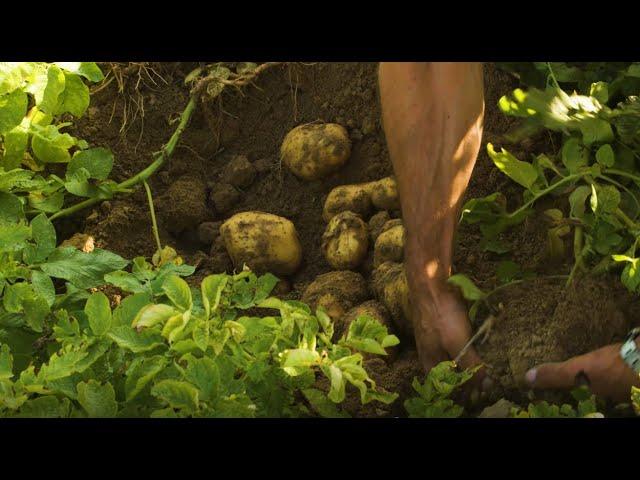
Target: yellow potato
(384, 194)
(391, 288)
(345, 241)
(262, 241)
(353, 198)
(336, 292)
(314, 151)
(389, 246)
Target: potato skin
(345, 241)
(352, 198)
(384, 194)
(265, 242)
(389, 246)
(336, 292)
(314, 151)
(389, 283)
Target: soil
(227, 162)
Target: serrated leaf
(125, 281)
(204, 374)
(51, 146)
(98, 400)
(61, 366)
(82, 269)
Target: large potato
(313, 151)
(336, 292)
(345, 241)
(389, 246)
(352, 198)
(391, 288)
(262, 241)
(384, 194)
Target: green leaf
(97, 161)
(11, 209)
(605, 156)
(596, 130)
(61, 366)
(74, 98)
(46, 203)
(98, 313)
(300, 357)
(577, 201)
(142, 371)
(574, 155)
(51, 146)
(212, 287)
(604, 199)
(13, 237)
(600, 91)
(177, 394)
(126, 337)
(15, 145)
(126, 312)
(82, 269)
(45, 407)
(178, 291)
(322, 405)
(35, 311)
(631, 274)
(6, 363)
(152, 315)
(88, 70)
(508, 271)
(469, 289)
(13, 108)
(204, 374)
(125, 281)
(44, 236)
(43, 286)
(338, 384)
(47, 98)
(520, 172)
(98, 400)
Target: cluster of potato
(357, 216)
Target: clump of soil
(184, 205)
(542, 322)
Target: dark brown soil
(229, 157)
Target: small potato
(390, 286)
(353, 198)
(377, 223)
(345, 241)
(336, 292)
(262, 241)
(314, 151)
(389, 246)
(384, 194)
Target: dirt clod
(183, 206)
(224, 197)
(239, 172)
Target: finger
(558, 375)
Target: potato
(336, 292)
(384, 194)
(262, 241)
(345, 241)
(314, 151)
(352, 198)
(371, 308)
(389, 246)
(390, 286)
(377, 223)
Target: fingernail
(530, 376)
(487, 383)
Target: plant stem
(627, 221)
(622, 173)
(552, 75)
(154, 224)
(544, 192)
(141, 176)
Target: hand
(608, 375)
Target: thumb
(557, 375)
